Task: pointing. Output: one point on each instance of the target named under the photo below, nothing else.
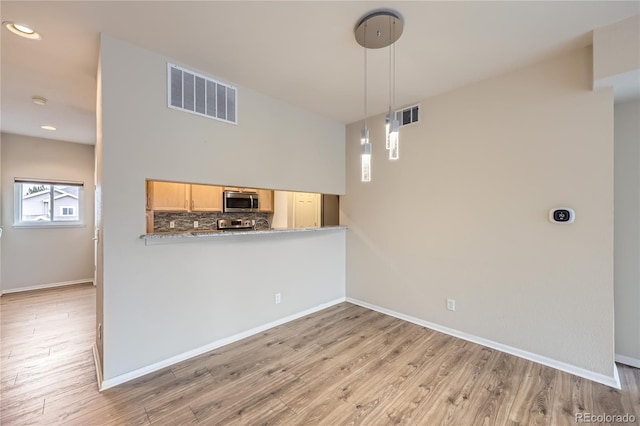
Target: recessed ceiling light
(22, 30)
(47, 127)
(39, 100)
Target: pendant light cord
(393, 50)
(390, 80)
(365, 75)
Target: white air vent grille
(408, 115)
(197, 94)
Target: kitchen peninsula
(178, 211)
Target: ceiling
(301, 52)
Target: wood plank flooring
(343, 365)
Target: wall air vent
(408, 115)
(197, 94)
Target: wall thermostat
(563, 215)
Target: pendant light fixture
(378, 29)
(393, 132)
(365, 144)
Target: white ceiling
(302, 52)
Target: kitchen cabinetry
(149, 218)
(183, 197)
(167, 196)
(206, 198)
(266, 200)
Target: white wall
(475, 181)
(616, 48)
(627, 230)
(616, 58)
(34, 257)
(161, 301)
(280, 209)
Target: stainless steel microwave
(240, 202)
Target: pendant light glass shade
(392, 132)
(387, 129)
(394, 140)
(392, 125)
(365, 156)
(364, 135)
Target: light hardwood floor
(343, 365)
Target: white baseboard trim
(627, 360)
(118, 380)
(96, 360)
(549, 362)
(43, 286)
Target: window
(67, 211)
(48, 203)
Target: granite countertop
(168, 236)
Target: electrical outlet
(451, 304)
(172, 224)
(278, 298)
(195, 224)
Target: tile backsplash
(206, 220)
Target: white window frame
(51, 223)
(72, 209)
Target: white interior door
(96, 233)
(306, 210)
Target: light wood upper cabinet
(184, 197)
(206, 198)
(266, 200)
(168, 196)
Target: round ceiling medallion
(379, 29)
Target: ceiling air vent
(197, 94)
(408, 115)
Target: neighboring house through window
(47, 203)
